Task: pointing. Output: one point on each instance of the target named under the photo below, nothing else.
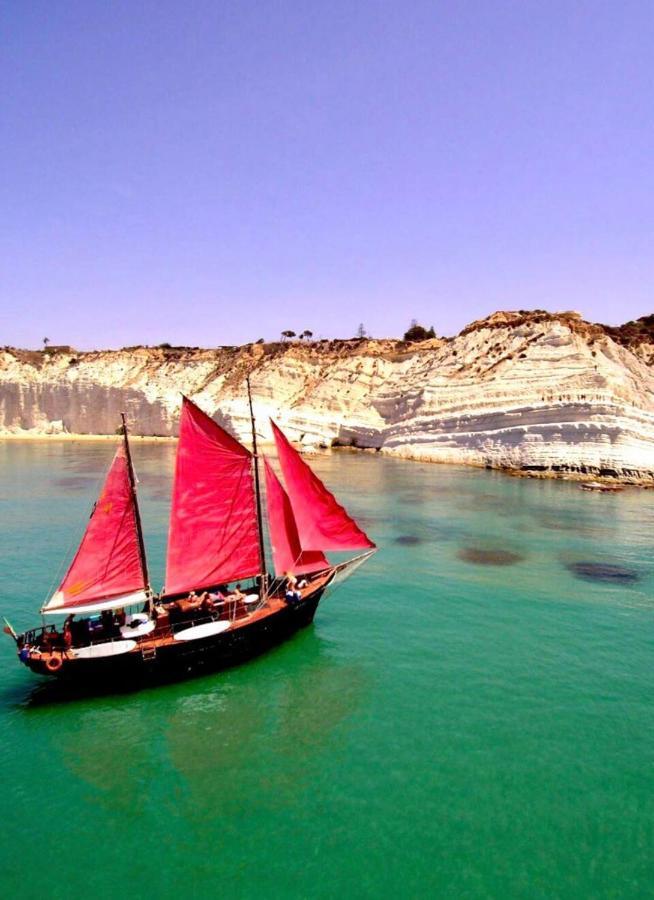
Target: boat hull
(180, 659)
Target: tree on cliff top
(287, 335)
(418, 332)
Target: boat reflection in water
(211, 736)
(118, 632)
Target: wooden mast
(257, 490)
(137, 513)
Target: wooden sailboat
(116, 628)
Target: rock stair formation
(535, 391)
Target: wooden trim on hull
(173, 660)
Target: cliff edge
(533, 391)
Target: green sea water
(471, 714)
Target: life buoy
(54, 663)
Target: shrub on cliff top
(418, 332)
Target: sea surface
(471, 714)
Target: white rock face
(536, 391)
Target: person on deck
(219, 595)
(293, 595)
(188, 604)
(68, 630)
(206, 602)
(234, 599)
(219, 600)
(109, 626)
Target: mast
(137, 513)
(257, 488)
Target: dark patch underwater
(607, 572)
(481, 556)
(408, 540)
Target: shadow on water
(484, 556)
(284, 730)
(33, 695)
(213, 735)
(609, 573)
(52, 693)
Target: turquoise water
(471, 715)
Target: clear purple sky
(213, 172)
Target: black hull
(180, 659)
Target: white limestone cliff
(534, 391)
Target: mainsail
(322, 523)
(213, 535)
(108, 563)
(288, 555)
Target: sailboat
(117, 628)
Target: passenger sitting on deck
(293, 595)
(237, 595)
(109, 625)
(219, 595)
(68, 630)
(206, 602)
(187, 604)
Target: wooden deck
(163, 635)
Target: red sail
(288, 556)
(108, 562)
(322, 524)
(213, 536)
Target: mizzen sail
(288, 555)
(322, 523)
(213, 536)
(108, 562)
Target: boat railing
(36, 635)
(175, 627)
(235, 612)
(233, 609)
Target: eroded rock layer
(533, 390)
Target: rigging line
(349, 567)
(131, 477)
(282, 578)
(111, 552)
(257, 488)
(76, 538)
(117, 534)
